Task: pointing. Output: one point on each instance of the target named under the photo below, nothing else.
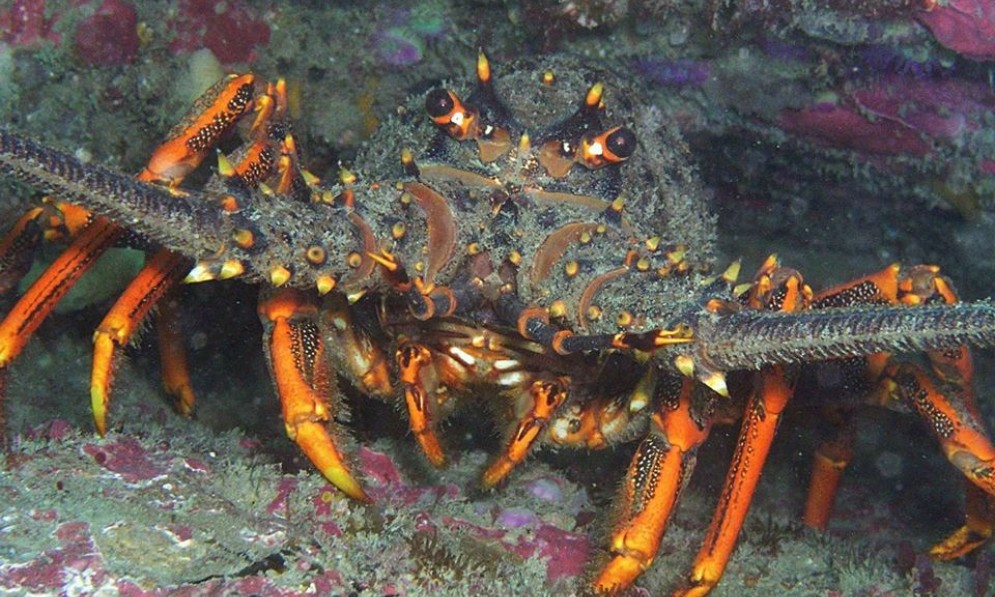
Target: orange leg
(21, 322)
(950, 412)
(762, 415)
(978, 529)
(296, 354)
(775, 288)
(829, 462)
(210, 119)
(39, 300)
(162, 273)
(541, 399)
(961, 435)
(173, 355)
(421, 385)
(660, 470)
(942, 393)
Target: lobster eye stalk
(450, 114)
(609, 147)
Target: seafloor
(223, 504)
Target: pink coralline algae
(230, 29)
(388, 485)
(284, 489)
(965, 26)
(76, 557)
(25, 24)
(127, 458)
(895, 116)
(109, 37)
(515, 529)
(566, 553)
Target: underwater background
(843, 135)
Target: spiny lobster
(523, 246)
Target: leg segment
(423, 395)
(39, 300)
(16, 248)
(775, 288)
(938, 388)
(539, 401)
(830, 460)
(763, 413)
(212, 117)
(173, 355)
(296, 355)
(162, 273)
(659, 471)
(978, 529)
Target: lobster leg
(970, 445)
(763, 413)
(941, 393)
(354, 353)
(210, 119)
(830, 460)
(978, 529)
(296, 355)
(833, 455)
(660, 469)
(961, 435)
(774, 289)
(173, 355)
(539, 401)
(422, 397)
(163, 272)
(40, 299)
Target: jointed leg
(660, 469)
(423, 396)
(760, 422)
(539, 401)
(162, 273)
(296, 354)
(830, 460)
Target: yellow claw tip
(310, 178)
(225, 167)
(483, 67)
(741, 288)
(347, 176)
(524, 144)
(98, 403)
(200, 273)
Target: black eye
(439, 103)
(622, 142)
